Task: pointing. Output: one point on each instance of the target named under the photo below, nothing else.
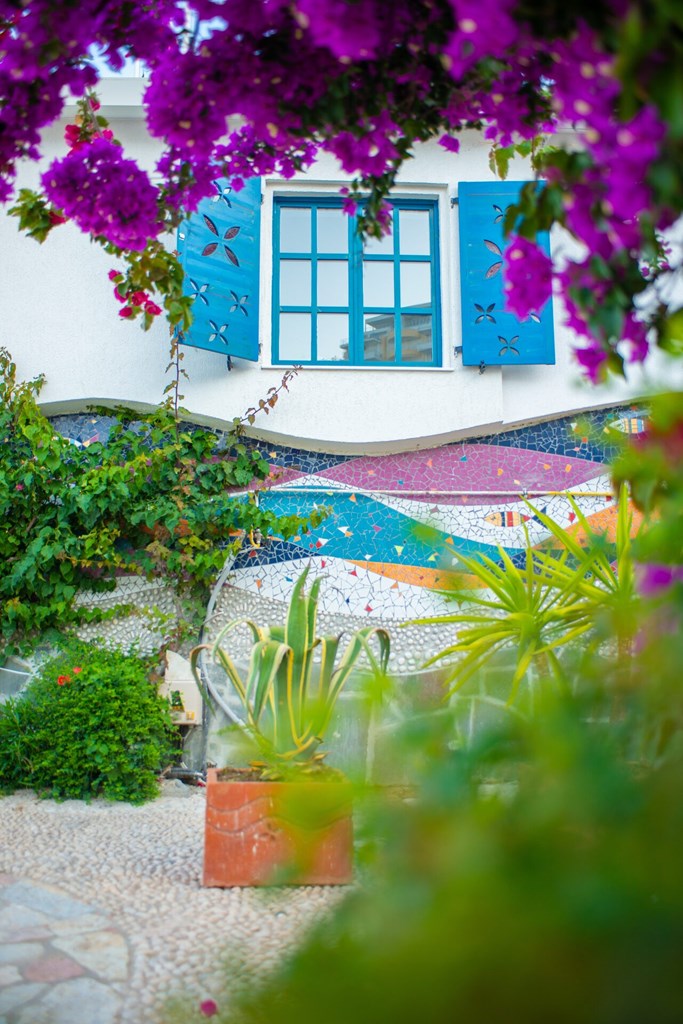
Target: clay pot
(273, 833)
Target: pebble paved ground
(102, 916)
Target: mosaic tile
(469, 469)
(389, 550)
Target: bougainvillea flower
(61, 680)
(208, 1008)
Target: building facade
(423, 415)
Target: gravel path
(102, 916)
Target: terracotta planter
(270, 833)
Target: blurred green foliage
(532, 876)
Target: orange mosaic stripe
(420, 576)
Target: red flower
(208, 1007)
(72, 134)
(56, 218)
(61, 680)
(77, 668)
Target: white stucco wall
(59, 318)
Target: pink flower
(18, 487)
(137, 298)
(77, 669)
(208, 1008)
(126, 312)
(449, 143)
(114, 275)
(593, 360)
(655, 578)
(528, 278)
(152, 308)
(72, 134)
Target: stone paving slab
(58, 957)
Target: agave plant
(563, 593)
(293, 680)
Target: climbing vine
(161, 499)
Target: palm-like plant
(561, 594)
(288, 694)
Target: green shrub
(89, 724)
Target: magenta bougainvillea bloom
(528, 273)
(208, 1008)
(105, 194)
(655, 579)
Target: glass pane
(295, 282)
(333, 283)
(414, 232)
(379, 246)
(295, 229)
(295, 337)
(379, 337)
(378, 283)
(416, 284)
(416, 338)
(333, 231)
(333, 336)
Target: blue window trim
(354, 258)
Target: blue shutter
(219, 252)
(489, 334)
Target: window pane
(295, 337)
(295, 229)
(295, 282)
(416, 338)
(416, 284)
(378, 283)
(378, 246)
(333, 231)
(379, 337)
(415, 232)
(333, 283)
(333, 336)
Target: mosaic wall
(389, 549)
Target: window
(339, 300)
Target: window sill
(360, 369)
